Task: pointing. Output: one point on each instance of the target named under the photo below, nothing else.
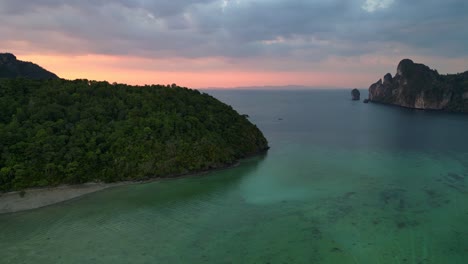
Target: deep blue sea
(343, 182)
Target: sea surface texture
(343, 182)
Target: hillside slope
(10, 67)
(67, 132)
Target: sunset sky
(231, 43)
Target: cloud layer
(299, 33)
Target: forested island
(419, 87)
(57, 131)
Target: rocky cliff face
(417, 86)
(10, 67)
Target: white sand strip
(36, 198)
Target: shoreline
(428, 110)
(34, 198)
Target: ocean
(343, 182)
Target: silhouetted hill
(10, 67)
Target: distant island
(355, 95)
(57, 131)
(10, 67)
(419, 87)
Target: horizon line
(278, 87)
(243, 87)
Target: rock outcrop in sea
(11, 67)
(355, 95)
(419, 87)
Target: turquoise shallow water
(344, 182)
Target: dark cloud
(300, 29)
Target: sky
(232, 43)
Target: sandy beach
(40, 197)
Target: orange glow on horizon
(215, 72)
(128, 70)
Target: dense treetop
(67, 132)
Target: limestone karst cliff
(417, 86)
